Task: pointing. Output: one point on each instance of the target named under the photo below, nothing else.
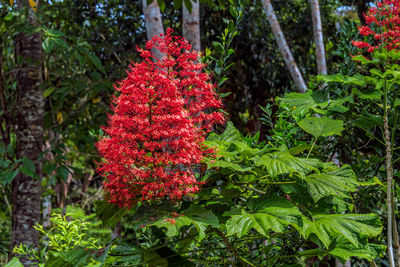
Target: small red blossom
(360, 44)
(385, 18)
(155, 137)
(171, 221)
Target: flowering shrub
(383, 22)
(160, 118)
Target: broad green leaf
(109, 214)
(283, 162)
(353, 227)
(357, 79)
(201, 214)
(298, 102)
(368, 121)
(14, 262)
(48, 44)
(173, 224)
(230, 134)
(345, 250)
(267, 214)
(321, 126)
(339, 182)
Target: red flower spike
(160, 118)
(386, 18)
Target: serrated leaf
(352, 227)
(345, 250)
(299, 103)
(283, 162)
(339, 182)
(230, 134)
(324, 126)
(268, 214)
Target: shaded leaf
(321, 126)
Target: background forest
(306, 167)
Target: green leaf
(96, 62)
(54, 33)
(284, 163)
(321, 126)
(28, 168)
(14, 262)
(353, 227)
(357, 79)
(109, 214)
(299, 103)
(48, 91)
(338, 182)
(8, 177)
(173, 224)
(201, 214)
(48, 44)
(230, 134)
(272, 213)
(345, 250)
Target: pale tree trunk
(318, 37)
(283, 46)
(191, 25)
(26, 190)
(154, 24)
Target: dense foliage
(291, 179)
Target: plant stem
(389, 178)
(312, 146)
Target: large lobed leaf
(352, 227)
(337, 182)
(268, 214)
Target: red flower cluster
(161, 116)
(385, 17)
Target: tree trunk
(191, 25)
(154, 24)
(283, 46)
(26, 190)
(318, 37)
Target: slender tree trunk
(26, 190)
(154, 24)
(389, 176)
(318, 37)
(283, 46)
(191, 25)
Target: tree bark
(153, 22)
(283, 46)
(26, 190)
(318, 37)
(191, 25)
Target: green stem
(312, 146)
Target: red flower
(360, 44)
(161, 114)
(386, 20)
(171, 221)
